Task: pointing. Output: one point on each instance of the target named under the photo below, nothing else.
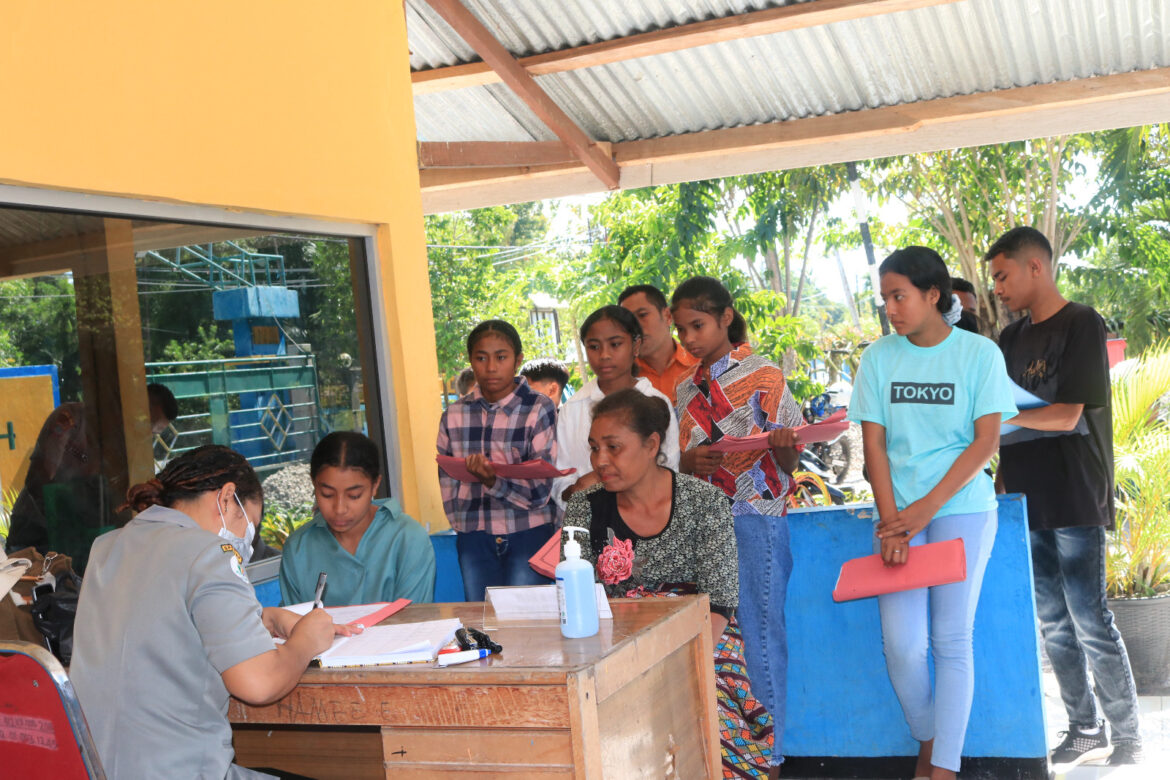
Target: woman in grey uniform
(168, 625)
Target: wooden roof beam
(519, 81)
(687, 36)
(495, 154)
(1081, 105)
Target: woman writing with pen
(168, 625)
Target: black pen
(320, 591)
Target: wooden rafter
(1120, 100)
(495, 154)
(686, 36)
(519, 81)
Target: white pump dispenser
(576, 592)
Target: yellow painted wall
(295, 107)
(271, 105)
(28, 400)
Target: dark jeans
(765, 564)
(487, 560)
(1069, 569)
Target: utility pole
(848, 294)
(867, 242)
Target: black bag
(53, 614)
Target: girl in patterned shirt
(500, 523)
(735, 392)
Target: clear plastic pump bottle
(576, 591)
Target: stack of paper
(403, 643)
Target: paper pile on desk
(401, 643)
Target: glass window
(124, 343)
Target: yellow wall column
(405, 298)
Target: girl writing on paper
(735, 392)
(168, 625)
(370, 549)
(499, 523)
(930, 399)
(612, 339)
(653, 531)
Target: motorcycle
(830, 460)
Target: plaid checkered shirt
(519, 427)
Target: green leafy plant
(1138, 558)
(279, 523)
(7, 501)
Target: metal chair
(42, 730)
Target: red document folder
(546, 559)
(939, 563)
(456, 468)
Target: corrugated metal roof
(940, 51)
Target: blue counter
(840, 702)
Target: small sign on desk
(523, 604)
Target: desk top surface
(532, 654)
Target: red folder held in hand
(938, 563)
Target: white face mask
(243, 546)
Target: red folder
(456, 468)
(546, 559)
(938, 563)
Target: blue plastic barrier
(448, 578)
(840, 701)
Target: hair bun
(144, 495)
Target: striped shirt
(519, 427)
(746, 394)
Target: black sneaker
(1126, 753)
(1076, 747)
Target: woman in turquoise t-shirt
(930, 401)
(371, 550)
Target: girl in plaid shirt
(499, 523)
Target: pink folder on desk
(939, 563)
(456, 468)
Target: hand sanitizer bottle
(576, 592)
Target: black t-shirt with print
(1067, 476)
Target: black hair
(346, 450)
(1017, 240)
(164, 398)
(643, 414)
(961, 285)
(967, 321)
(545, 369)
(925, 270)
(465, 381)
(620, 316)
(194, 473)
(652, 293)
(708, 295)
(498, 327)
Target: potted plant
(1138, 558)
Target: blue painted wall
(840, 702)
(448, 579)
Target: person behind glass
(370, 549)
(548, 376)
(612, 339)
(681, 539)
(1062, 459)
(661, 359)
(732, 391)
(168, 625)
(930, 399)
(499, 523)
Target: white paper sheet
(536, 602)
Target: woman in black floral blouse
(653, 531)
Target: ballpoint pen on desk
(463, 656)
(320, 591)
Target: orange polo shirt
(678, 367)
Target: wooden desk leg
(705, 672)
(583, 721)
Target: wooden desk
(637, 700)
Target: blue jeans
(765, 564)
(939, 620)
(487, 560)
(1068, 566)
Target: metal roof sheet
(940, 51)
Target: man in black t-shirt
(1062, 460)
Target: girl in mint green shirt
(930, 401)
(371, 550)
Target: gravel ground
(289, 488)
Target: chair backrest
(42, 730)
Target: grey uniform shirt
(164, 610)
